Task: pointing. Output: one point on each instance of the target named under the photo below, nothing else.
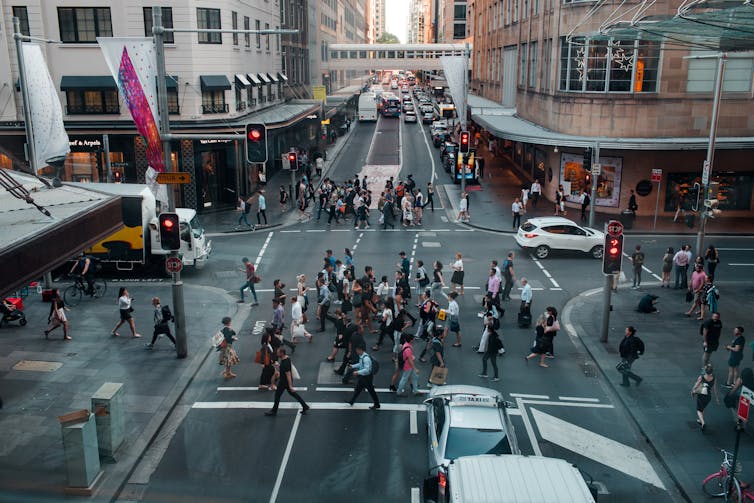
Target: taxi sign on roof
(473, 400)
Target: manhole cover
(37, 366)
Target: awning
(72, 82)
(254, 79)
(282, 77)
(171, 81)
(214, 82)
(241, 80)
(272, 77)
(264, 78)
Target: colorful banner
(50, 138)
(133, 65)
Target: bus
(445, 110)
(391, 106)
(367, 107)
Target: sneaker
(240, 301)
(483, 375)
(148, 345)
(495, 379)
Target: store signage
(656, 175)
(91, 143)
(212, 142)
(178, 178)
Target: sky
(396, 18)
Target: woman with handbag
(438, 283)
(703, 388)
(494, 344)
(124, 305)
(454, 324)
(57, 315)
(303, 298)
(298, 327)
(457, 277)
(539, 348)
(266, 357)
(228, 355)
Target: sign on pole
(744, 403)
(596, 169)
(614, 228)
(705, 173)
(179, 178)
(319, 93)
(173, 264)
(656, 175)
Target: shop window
(173, 107)
(92, 101)
(209, 19)
(734, 192)
(167, 22)
(23, 18)
(213, 102)
(84, 24)
(234, 24)
(246, 36)
(702, 73)
(5, 162)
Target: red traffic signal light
(293, 160)
(170, 231)
(117, 176)
(587, 179)
(465, 139)
(256, 143)
(612, 254)
(254, 134)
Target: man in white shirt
(535, 191)
(516, 210)
(526, 296)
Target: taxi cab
(466, 421)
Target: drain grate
(37, 366)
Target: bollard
(107, 404)
(81, 452)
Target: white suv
(557, 233)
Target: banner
(456, 68)
(50, 138)
(133, 65)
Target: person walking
(509, 275)
(268, 358)
(696, 287)
(703, 389)
(283, 199)
(637, 259)
(526, 297)
(323, 303)
(243, 210)
(430, 197)
(298, 325)
(585, 202)
(364, 372)
(437, 358)
(710, 295)
(228, 356)
(409, 370)
(285, 383)
(735, 355)
(539, 348)
(457, 277)
(494, 344)
(57, 316)
(524, 197)
(631, 347)
(667, 267)
(261, 208)
(493, 286)
(438, 283)
(463, 209)
(162, 318)
(251, 280)
(551, 330)
(516, 209)
(712, 256)
(711, 331)
(535, 191)
(125, 308)
(681, 263)
(454, 324)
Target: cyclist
(84, 263)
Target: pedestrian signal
(465, 139)
(612, 256)
(170, 231)
(256, 143)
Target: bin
(627, 218)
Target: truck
(137, 244)
(367, 107)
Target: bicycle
(74, 293)
(724, 484)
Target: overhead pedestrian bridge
(391, 56)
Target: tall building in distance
(378, 17)
(295, 48)
(419, 23)
(448, 21)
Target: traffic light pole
(181, 341)
(607, 291)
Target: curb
(573, 335)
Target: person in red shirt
(251, 278)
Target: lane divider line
(263, 249)
(524, 395)
(579, 399)
(286, 456)
(413, 424)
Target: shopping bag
(438, 375)
(441, 315)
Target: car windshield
(196, 227)
(473, 441)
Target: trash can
(690, 220)
(627, 219)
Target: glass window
(23, 19)
(92, 101)
(459, 11)
(533, 46)
(472, 441)
(701, 74)
(267, 37)
(167, 22)
(522, 65)
(596, 64)
(247, 36)
(173, 101)
(213, 102)
(84, 24)
(209, 19)
(459, 30)
(234, 23)
(258, 26)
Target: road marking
(153, 456)
(529, 429)
(316, 230)
(340, 230)
(313, 405)
(251, 388)
(591, 292)
(286, 455)
(431, 156)
(597, 447)
(578, 399)
(415, 495)
(263, 249)
(570, 404)
(329, 389)
(290, 232)
(412, 422)
(733, 264)
(465, 230)
(440, 230)
(558, 289)
(547, 274)
(535, 397)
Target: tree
(388, 38)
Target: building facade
(644, 104)
(419, 22)
(378, 18)
(295, 48)
(216, 84)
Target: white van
(508, 478)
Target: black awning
(73, 82)
(254, 79)
(264, 78)
(282, 77)
(214, 82)
(272, 77)
(171, 81)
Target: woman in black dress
(540, 346)
(703, 388)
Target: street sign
(173, 264)
(319, 93)
(286, 162)
(596, 169)
(656, 175)
(705, 173)
(179, 178)
(614, 228)
(744, 403)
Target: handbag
(258, 357)
(623, 366)
(294, 372)
(689, 296)
(442, 315)
(357, 299)
(438, 375)
(256, 279)
(217, 339)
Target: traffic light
(170, 231)
(465, 139)
(612, 256)
(588, 159)
(256, 143)
(293, 160)
(117, 175)
(587, 179)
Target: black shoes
(374, 407)
(271, 413)
(303, 411)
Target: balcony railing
(89, 110)
(241, 105)
(218, 108)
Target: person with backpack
(244, 208)
(162, 317)
(631, 347)
(637, 258)
(407, 365)
(494, 344)
(364, 371)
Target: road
(217, 444)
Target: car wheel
(542, 251)
(597, 252)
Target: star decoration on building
(623, 59)
(580, 63)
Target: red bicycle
(725, 484)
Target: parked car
(467, 421)
(544, 234)
(409, 115)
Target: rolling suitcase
(524, 319)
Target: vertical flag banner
(456, 68)
(50, 138)
(133, 65)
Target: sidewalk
(32, 460)
(662, 407)
(226, 221)
(490, 205)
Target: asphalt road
(218, 445)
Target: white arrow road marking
(593, 446)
